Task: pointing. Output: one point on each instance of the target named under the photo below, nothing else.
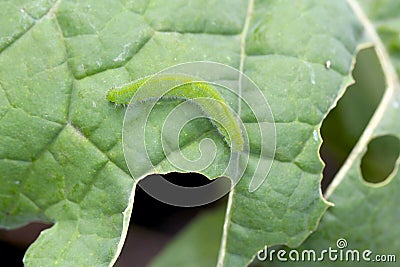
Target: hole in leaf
(154, 223)
(158, 220)
(380, 159)
(187, 179)
(344, 125)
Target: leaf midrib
(243, 36)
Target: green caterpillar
(184, 87)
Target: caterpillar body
(185, 87)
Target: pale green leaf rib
(283, 215)
(392, 82)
